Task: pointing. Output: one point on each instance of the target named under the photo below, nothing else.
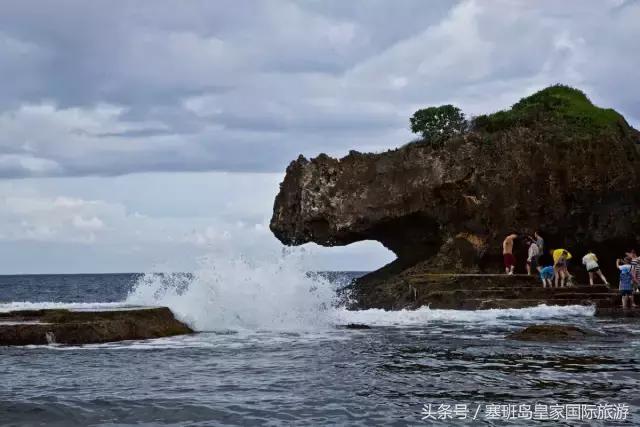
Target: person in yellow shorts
(560, 259)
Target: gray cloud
(103, 88)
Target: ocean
(270, 351)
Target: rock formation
(554, 163)
(552, 333)
(87, 327)
(475, 291)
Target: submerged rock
(87, 327)
(554, 163)
(356, 326)
(552, 333)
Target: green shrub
(437, 124)
(558, 105)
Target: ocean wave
(425, 315)
(235, 293)
(277, 294)
(27, 305)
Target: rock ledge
(39, 327)
(551, 333)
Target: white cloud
(10, 46)
(27, 165)
(34, 216)
(92, 224)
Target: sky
(143, 135)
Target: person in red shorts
(507, 253)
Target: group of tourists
(552, 266)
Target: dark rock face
(356, 326)
(447, 209)
(87, 327)
(618, 311)
(454, 205)
(552, 333)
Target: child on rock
(626, 283)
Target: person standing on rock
(539, 241)
(590, 261)
(561, 259)
(626, 283)
(533, 255)
(507, 253)
(635, 267)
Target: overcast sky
(139, 135)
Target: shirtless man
(507, 253)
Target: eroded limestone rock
(574, 177)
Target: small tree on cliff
(437, 124)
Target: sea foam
(426, 315)
(235, 293)
(93, 306)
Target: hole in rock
(363, 256)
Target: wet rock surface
(476, 292)
(355, 326)
(618, 311)
(41, 327)
(552, 333)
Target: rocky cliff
(554, 162)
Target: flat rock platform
(487, 291)
(71, 327)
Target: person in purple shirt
(626, 282)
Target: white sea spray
(235, 293)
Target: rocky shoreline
(553, 163)
(477, 292)
(59, 326)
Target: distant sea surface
(270, 351)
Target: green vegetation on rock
(437, 124)
(555, 105)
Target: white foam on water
(234, 294)
(90, 306)
(425, 315)
(277, 294)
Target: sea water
(270, 351)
